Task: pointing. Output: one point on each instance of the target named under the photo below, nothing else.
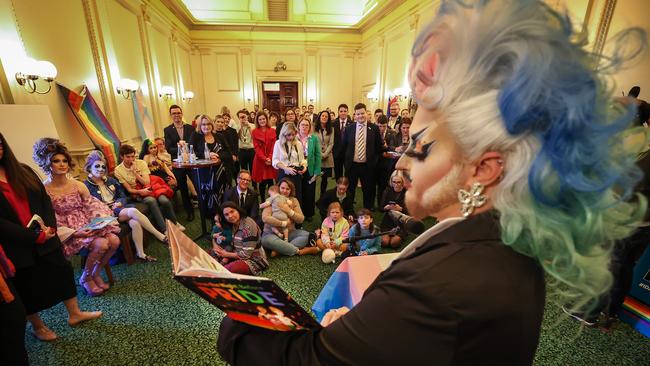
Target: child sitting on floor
(279, 204)
(221, 237)
(364, 226)
(333, 230)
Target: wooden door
(279, 96)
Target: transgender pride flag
(94, 123)
(350, 280)
(142, 116)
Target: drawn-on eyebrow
(418, 149)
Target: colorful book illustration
(257, 301)
(98, 223)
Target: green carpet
(150, 319)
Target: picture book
(257, 301)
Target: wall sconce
(401, 94)
(280, 66)
(126, 87)
(373, 96)
(166, 92)
(34, 70)
(188, 96)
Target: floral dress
(74, 211)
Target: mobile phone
(35, 224)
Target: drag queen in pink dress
(74, 208)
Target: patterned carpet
(150, 319)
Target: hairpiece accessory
(472, 199)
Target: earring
(472, 199)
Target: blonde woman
(289, 157)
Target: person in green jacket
(312, 150)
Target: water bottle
(186, 155)
(206, 152)
(179, 153)
(192, 156)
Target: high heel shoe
(89, 286)
(97, 277)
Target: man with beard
(511, 118)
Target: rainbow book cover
(257, 301)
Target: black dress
(43, 277)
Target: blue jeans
(160, 209)
(297, 239)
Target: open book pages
(189, 259)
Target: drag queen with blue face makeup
(516, 153)
(110, 191)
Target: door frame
(280, 79)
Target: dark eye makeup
(417, 148)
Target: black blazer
(251, 204)
(172, 138)
(461, 298)
(330, 196)
(19, 243)
(198, 140)
(337, 151)
(373, 144)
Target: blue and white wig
(511, 76)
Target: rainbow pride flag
(142, 116)
(94, 123)
(350, 280)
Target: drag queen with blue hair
(517, 153)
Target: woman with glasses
(109, 190)
(393, 200)
(289, 116)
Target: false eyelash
(424, 149)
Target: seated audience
(393, 200)
(338, 194)
(298, 239)
(289, 158)
(74, 207)
(162, 153)
(134, 175)
(37, 274)
(364, 226)
(157, 166)
(247, 256)
(333, 230)
(109, 190)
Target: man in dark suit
(244, 196)
(362, 144)
(339, 125)
(177, 132)
(386, 164)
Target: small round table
(196, 166)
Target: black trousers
(308, 202)
(367, 174)
(181, 177)
(12, 331)
(245, 157)
(338, 168)
(327, 173)
(384, 169)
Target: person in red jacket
(263, 140)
